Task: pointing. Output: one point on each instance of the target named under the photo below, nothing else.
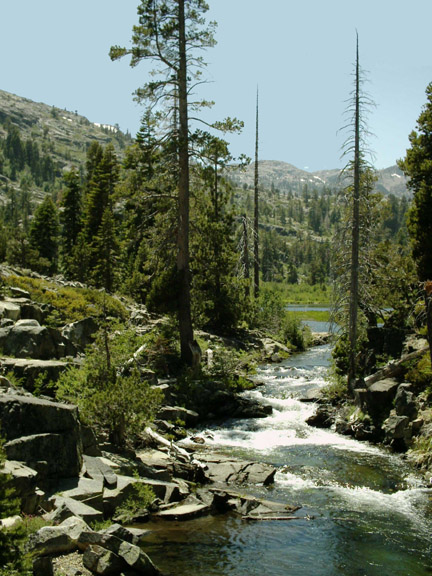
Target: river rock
(174, 413)
(379, 398)
(227, 470)
(108, 554)
(225, 404)
(274, 351)
(184, 511)
(398, 432)
(249, 506)
(114, 497)
(405, 402)
(102, 561)
(164, 466)
(323, 417)
(54, 540)
(129, 534)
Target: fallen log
(393, 369)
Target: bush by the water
(108, 387)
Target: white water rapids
(372, 516)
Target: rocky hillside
(285, 177)
(65, 135)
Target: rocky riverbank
(77, 480)
(60, 470)
(390, 407)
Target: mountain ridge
(71, 134)
(287, 177)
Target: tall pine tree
(169, 33)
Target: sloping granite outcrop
(28, 339)
(43, 435)
(29, 370)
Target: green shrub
(419, 373)
(139, 500)
(270, 315)
(336, 391)
(69, 304)
(108, 390)
(162, 351)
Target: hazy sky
(300, 53)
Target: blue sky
(301, 55)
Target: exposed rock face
(274, 351)
(42, 434)
(53, 540)
(104, 553)
(29, 370)
(81, 333)
(398, 431)
(28, 339)
(10, 311)
(25, 484)
(107, 554)
(405, 402)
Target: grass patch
(314, 315)
(303, 294)
(69, 304)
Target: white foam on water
(408, 503)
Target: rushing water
(364, 512)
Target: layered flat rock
(114, 497)
(226, 470)
(87, 490)
(98, 469)
(184, 512)
(30, 369)
(67, 507)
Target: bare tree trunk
(355, 238)
(256, 212)
(184, 303)
(245, 256)
(428, 305)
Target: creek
(364, 511)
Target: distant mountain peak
(284, 176)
